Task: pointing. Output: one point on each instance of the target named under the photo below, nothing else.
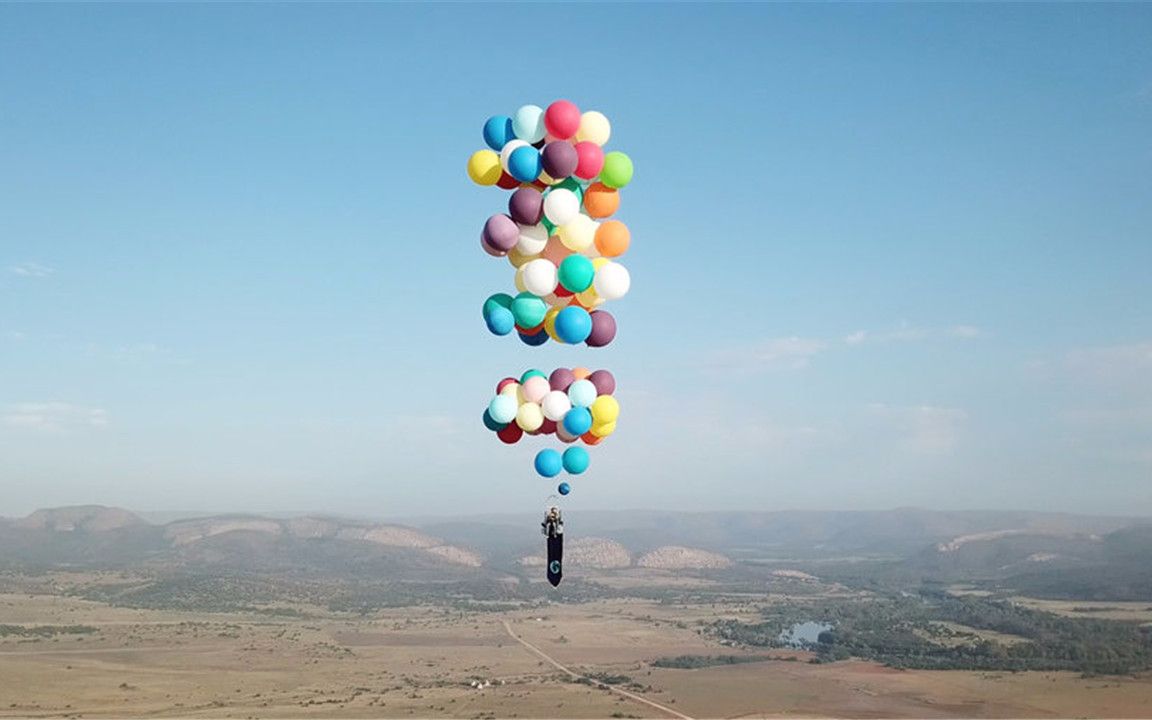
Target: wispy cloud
(52, 416)
(927, 429)
(905, 332)
(31, 270)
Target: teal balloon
(503, 409)
(575, 460)
(497, 301)
(573, 325)
(492, 424)
(578, 421)
(531, 374)
(528, 310)
(549, 463)
(576, 273)
(500, 321)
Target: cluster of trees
(43, 631)
(905, 631)
(689, 662)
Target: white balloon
(528, 123)
(612, 281)
(579, 233)
(539, 277)
(561, 206)
(533, 239)
(556, 405)
(594, 127)
(506, 151)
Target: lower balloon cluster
(574, 404)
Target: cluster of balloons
(572, 404)
(557, 232)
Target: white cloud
(1114, 365)
(52, 416)
(927, 429)
(787, 352)
(31, 270)
(905, 332)
(965, 331)
(856, 338)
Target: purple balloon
(560, 379)
(526, 206)
(604, 382)
(489, 249)
(559, 159)
(501, 233)
(603, 329)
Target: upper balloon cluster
(556, 232)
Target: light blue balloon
(498, 131)
(524, 164)
(500, 321)
(577, 421)
(528, 123)
(548, 463)
(573, 325)
(582, 393)
(575, 460)
(503, 408)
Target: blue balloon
(538, 339)
(564, 488)
(524, 164)
(500, 321)
(498, 131)
(575, 460)
(548, 463)
(492, 424)
(578, 421)
(573, 325)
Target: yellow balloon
(578, 234)
(605, 410)
(519, 280)
(599, 262)
(589, 298)
(518, 258)
(513, 389)
(529, 417)
(550, 324)
(604, 430)
(594, 127)
(484, 167)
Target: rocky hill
(676, 557)
(92, 518)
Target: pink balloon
(562, 119)
(535, 388)
(554, 251)
(589, 160)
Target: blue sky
(882, 255)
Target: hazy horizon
(883, 256)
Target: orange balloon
(554, 251)
(581, 373)
(601, 201)
(613, 238)
(591, 439)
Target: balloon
(604, 381)
(612, 281)
(578, 420)
(578, 234)
(506, 155)
(484, 167)
(590, 161)
(603, 329)
(528, 374)
(575, 460)
(498, 132)
(492, 424)
(534, 340)
(511, 434)
(549, 463)
(503, 408)
(562, 119)
(601, 201)
(605, 409)
(563, 488)
(529, 417)
(561, 379)
(550, 320)
(554, 251)
(535, 388)
(556, 405)
(559, 160)
(528, 123)
(513, 389)
(499, 300)
(580, 373)
(528, 309)
(573, 325)
(582, 393)
(501, 233)
(548, 427)
(612, 238)
(564, 436)
(489, 249)
(524, 163)
(540, 276)
(526, 206)
(574, 185)
(517, 258)
(594, 127)
(603, 430)
(561, 206)
(576, 273)
(500, 321)
(505, 383)
(589, 298)
(617, 170)
(533, 239)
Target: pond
(803, 634)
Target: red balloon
(548, 427)
(589, 160)
(504, 383)
(508, 182)
(562, 119)
(511, 434)
(587, 437)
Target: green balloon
(528, 310)
(531, 374)
(503, 300)
(617, 170)
(576, 273)
(548, 226)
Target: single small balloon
(563, 488)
